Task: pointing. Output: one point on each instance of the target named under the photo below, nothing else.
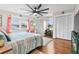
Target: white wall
(76, 18)
(76, 22)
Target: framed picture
(0, 21)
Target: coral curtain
(8, 25)
(28, 24)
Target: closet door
(59, 27)
(64, 26)
(70, 26)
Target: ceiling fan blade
(30, 14)
(44, 12)
(29, 7)
(25, 10)
(39, 6)
(44, 9)
(40, 14)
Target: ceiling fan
(36, 10)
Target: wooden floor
(56, 46)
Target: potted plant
(50, 26)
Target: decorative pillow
(5, 34)
(8, 38)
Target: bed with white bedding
(23, 42)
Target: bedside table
(5, 49)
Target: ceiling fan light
(35, 14)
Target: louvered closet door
(64, 25)
(70, 26)
(67, 26)
(59, 27)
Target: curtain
(9, 24)
(28, 25)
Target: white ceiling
(17, 8)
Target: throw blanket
(24, 44)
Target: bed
(23, 42)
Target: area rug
(46, 40)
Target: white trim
(73, 22)
(64, 14)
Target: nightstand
(5, 49)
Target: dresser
(48, 33)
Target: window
(0, 20)
(48, 23)
(18, 24)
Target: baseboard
(62, 39)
